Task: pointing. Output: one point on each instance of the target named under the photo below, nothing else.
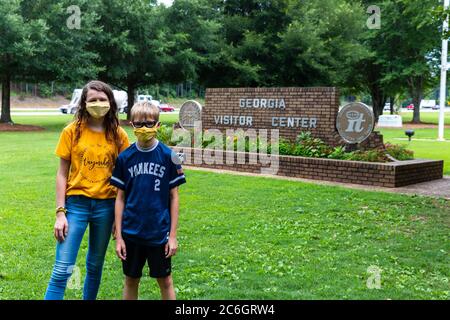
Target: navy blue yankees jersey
(147, 176)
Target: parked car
(424, 104)
(144, 97)
(121, 98)
(436, 107)
(387, 107)
(164, 107)
(71, 108)
(410, 107)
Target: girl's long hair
(111, 120)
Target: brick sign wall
(289, 110)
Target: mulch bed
(6, 127)
(422, 125)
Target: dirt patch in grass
(418, 218)
(38, 102)
(422, 125)
(6, 127)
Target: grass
(177, 102)
(240, 237)
(426, 117)
(428, 148)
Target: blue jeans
(81, 212)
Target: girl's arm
(61, 226)
(119, 206)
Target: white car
(71, 108)
(144, 97)
(427, 104)
(121, 98)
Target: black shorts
(137, 255)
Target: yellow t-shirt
(92, 160)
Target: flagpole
(443, 91)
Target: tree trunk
(6, 101)
(416, 101)
(392, 101)
(378, 102)
(416, 88)
(131, 88)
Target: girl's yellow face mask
(97, 109)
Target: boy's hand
(171, 247)
(121, 249)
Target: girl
(87, 148)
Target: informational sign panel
(394, 121)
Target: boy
(147, 175)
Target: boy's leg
(132, 268)
(131, 288)
(166, 287)
(161, 268)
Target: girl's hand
(121, 249)
(171, 247)
(61, 228)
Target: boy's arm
(172, 244)
(119, 206)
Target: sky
(166, 2)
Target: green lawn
(427, 117)
(240, 237)
(428, 148)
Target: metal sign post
(443, 93)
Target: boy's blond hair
(143, 110)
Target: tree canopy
(135, 43)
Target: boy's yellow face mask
(145, 134)
(98, 109)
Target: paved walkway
(437, 188)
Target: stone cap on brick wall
(274, 89)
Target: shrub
(399, 152)
(375, 155)
(308, 146)
(339, 153)
(285, 147)
(165, 134)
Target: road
(49, 112)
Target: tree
(134, 46)
(195, 29)
(418, 43)
(321, 44)
(38, 45)
(402, 52)
(18, 43)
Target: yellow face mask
(98, 109)
(145, 134)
